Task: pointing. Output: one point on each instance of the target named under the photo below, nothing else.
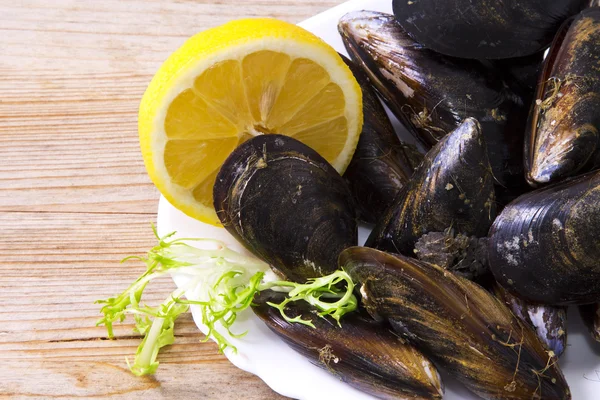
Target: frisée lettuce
(222, 283)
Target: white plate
(262, 353)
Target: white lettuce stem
(144, 359)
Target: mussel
(484, 29)
(362, 352)
(524, 71)
(287, 205)
(432, 94)
(563, 132)
(452, 188)
(545, 245)
(549, 322)
(458, 324)
(590, 313)
(382, 164)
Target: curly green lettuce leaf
(315, 291)
(223, 283)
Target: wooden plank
(54, 266)
(115, 35)
(71, 77)
(75, 198)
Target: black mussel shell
(382, 164)
(362, 352)
(484, 29)
(524, 71)
(545, 245)
(462, 327)
(590, 313)
(452, 188)
(287, 205)
(563, 132)
(432, 94)
(549, 322)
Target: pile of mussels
(483, 234)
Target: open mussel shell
(549, 322)
(287, 205)
(432, 94)
(590, 314)
(362, 352)
(382, 164)
(484, 29)
(563, 132)
(462, 327)
(544, 245)
(452, 188)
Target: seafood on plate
(431, 94)
(544, 245)
(563, 131)
(287, 205)
(452, 188)
(462, 327)
(383, 318)
(361, 352)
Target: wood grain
(75, 198)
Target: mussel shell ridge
(462, 327)
(452, 188)
(545, 245)
(563, 132)
(484, 29)
(287, 205)
(362, 352)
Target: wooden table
(75, 198)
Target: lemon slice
(225, 85)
